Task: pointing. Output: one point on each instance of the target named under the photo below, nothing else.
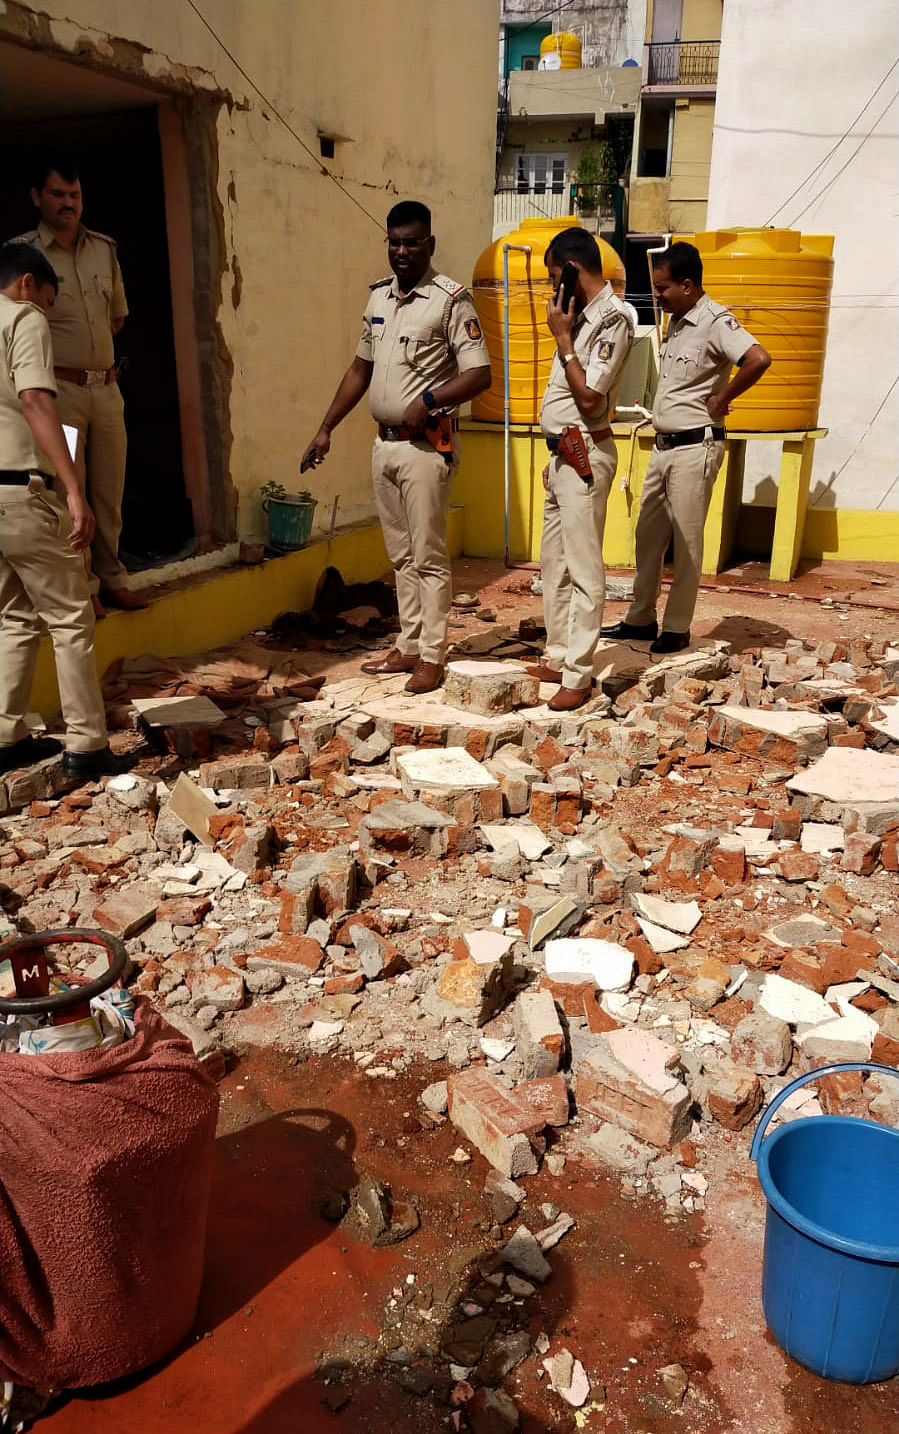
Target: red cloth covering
(105, 1170)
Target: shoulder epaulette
(449, 286)
(31, 237)
(380, 283)
(719, 311)
(107, 238)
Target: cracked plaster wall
(411, 100)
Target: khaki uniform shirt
(417, 341)
(91, 295)
(695, 361)
(601, 339)
(26, 361)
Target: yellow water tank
(531, 345)
(560, 52)
(777, 284)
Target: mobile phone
(567, 285)
(309, 460)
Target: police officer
(421, 355)
(89, 311)
(593, 332)
(694, 395)
(42, 578)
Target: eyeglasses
(410, 244)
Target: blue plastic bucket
(289, 521)
(830, 1277)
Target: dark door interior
(118, 154)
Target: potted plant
(289, 516)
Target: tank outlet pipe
(645, 417)
(522, 249)
(660, 249)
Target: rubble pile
(613, 935)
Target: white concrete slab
(606, 963)
(444, 769)
(848, 774)
(680, 916)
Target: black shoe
(643, 632)
(671, 642)
(27, 751)
(85, 766)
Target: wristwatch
(566, 358)
(428, 399)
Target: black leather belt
(688, 436)
(599, 435)
(22, 477)
(399, 433)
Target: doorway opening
(128, 143)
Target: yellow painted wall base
(219, 608)
(479, 489)
(851, 534)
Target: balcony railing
(684, 62)
(598, 206)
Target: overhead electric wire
(821, 163)
(832, 181)
(323, 169)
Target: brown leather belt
(600, 436)
(87, 377)
(399, 433)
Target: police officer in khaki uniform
(695, 392)
(42, 578)
(593, 332)
(421, 354)
(88, 313)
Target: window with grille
(541, 173)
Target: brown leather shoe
(567, 699)
(427, 677)
(394, 661)
(123, 598)
(544, 674)
(99, 609)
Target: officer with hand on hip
(694, 395)
(420, 356)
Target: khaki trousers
(675, 500)
(99, 416)
(411, 484)
(42, 584)
(574, 579)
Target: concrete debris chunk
(680, 916)
(626, 1078)
(846, 1038)
(660, 938)
(606, 963)
(192, 807)
(489, 687)
(522, 837)
(762, 1043)
(568, 1378)
(524, 1254)
(790, 1002)
(538, 1033)
(497, 1121)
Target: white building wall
(807, 136)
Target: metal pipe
(522, 249)
(660, 249)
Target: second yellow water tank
(777, 284)
(531, 345)
(560, 52)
